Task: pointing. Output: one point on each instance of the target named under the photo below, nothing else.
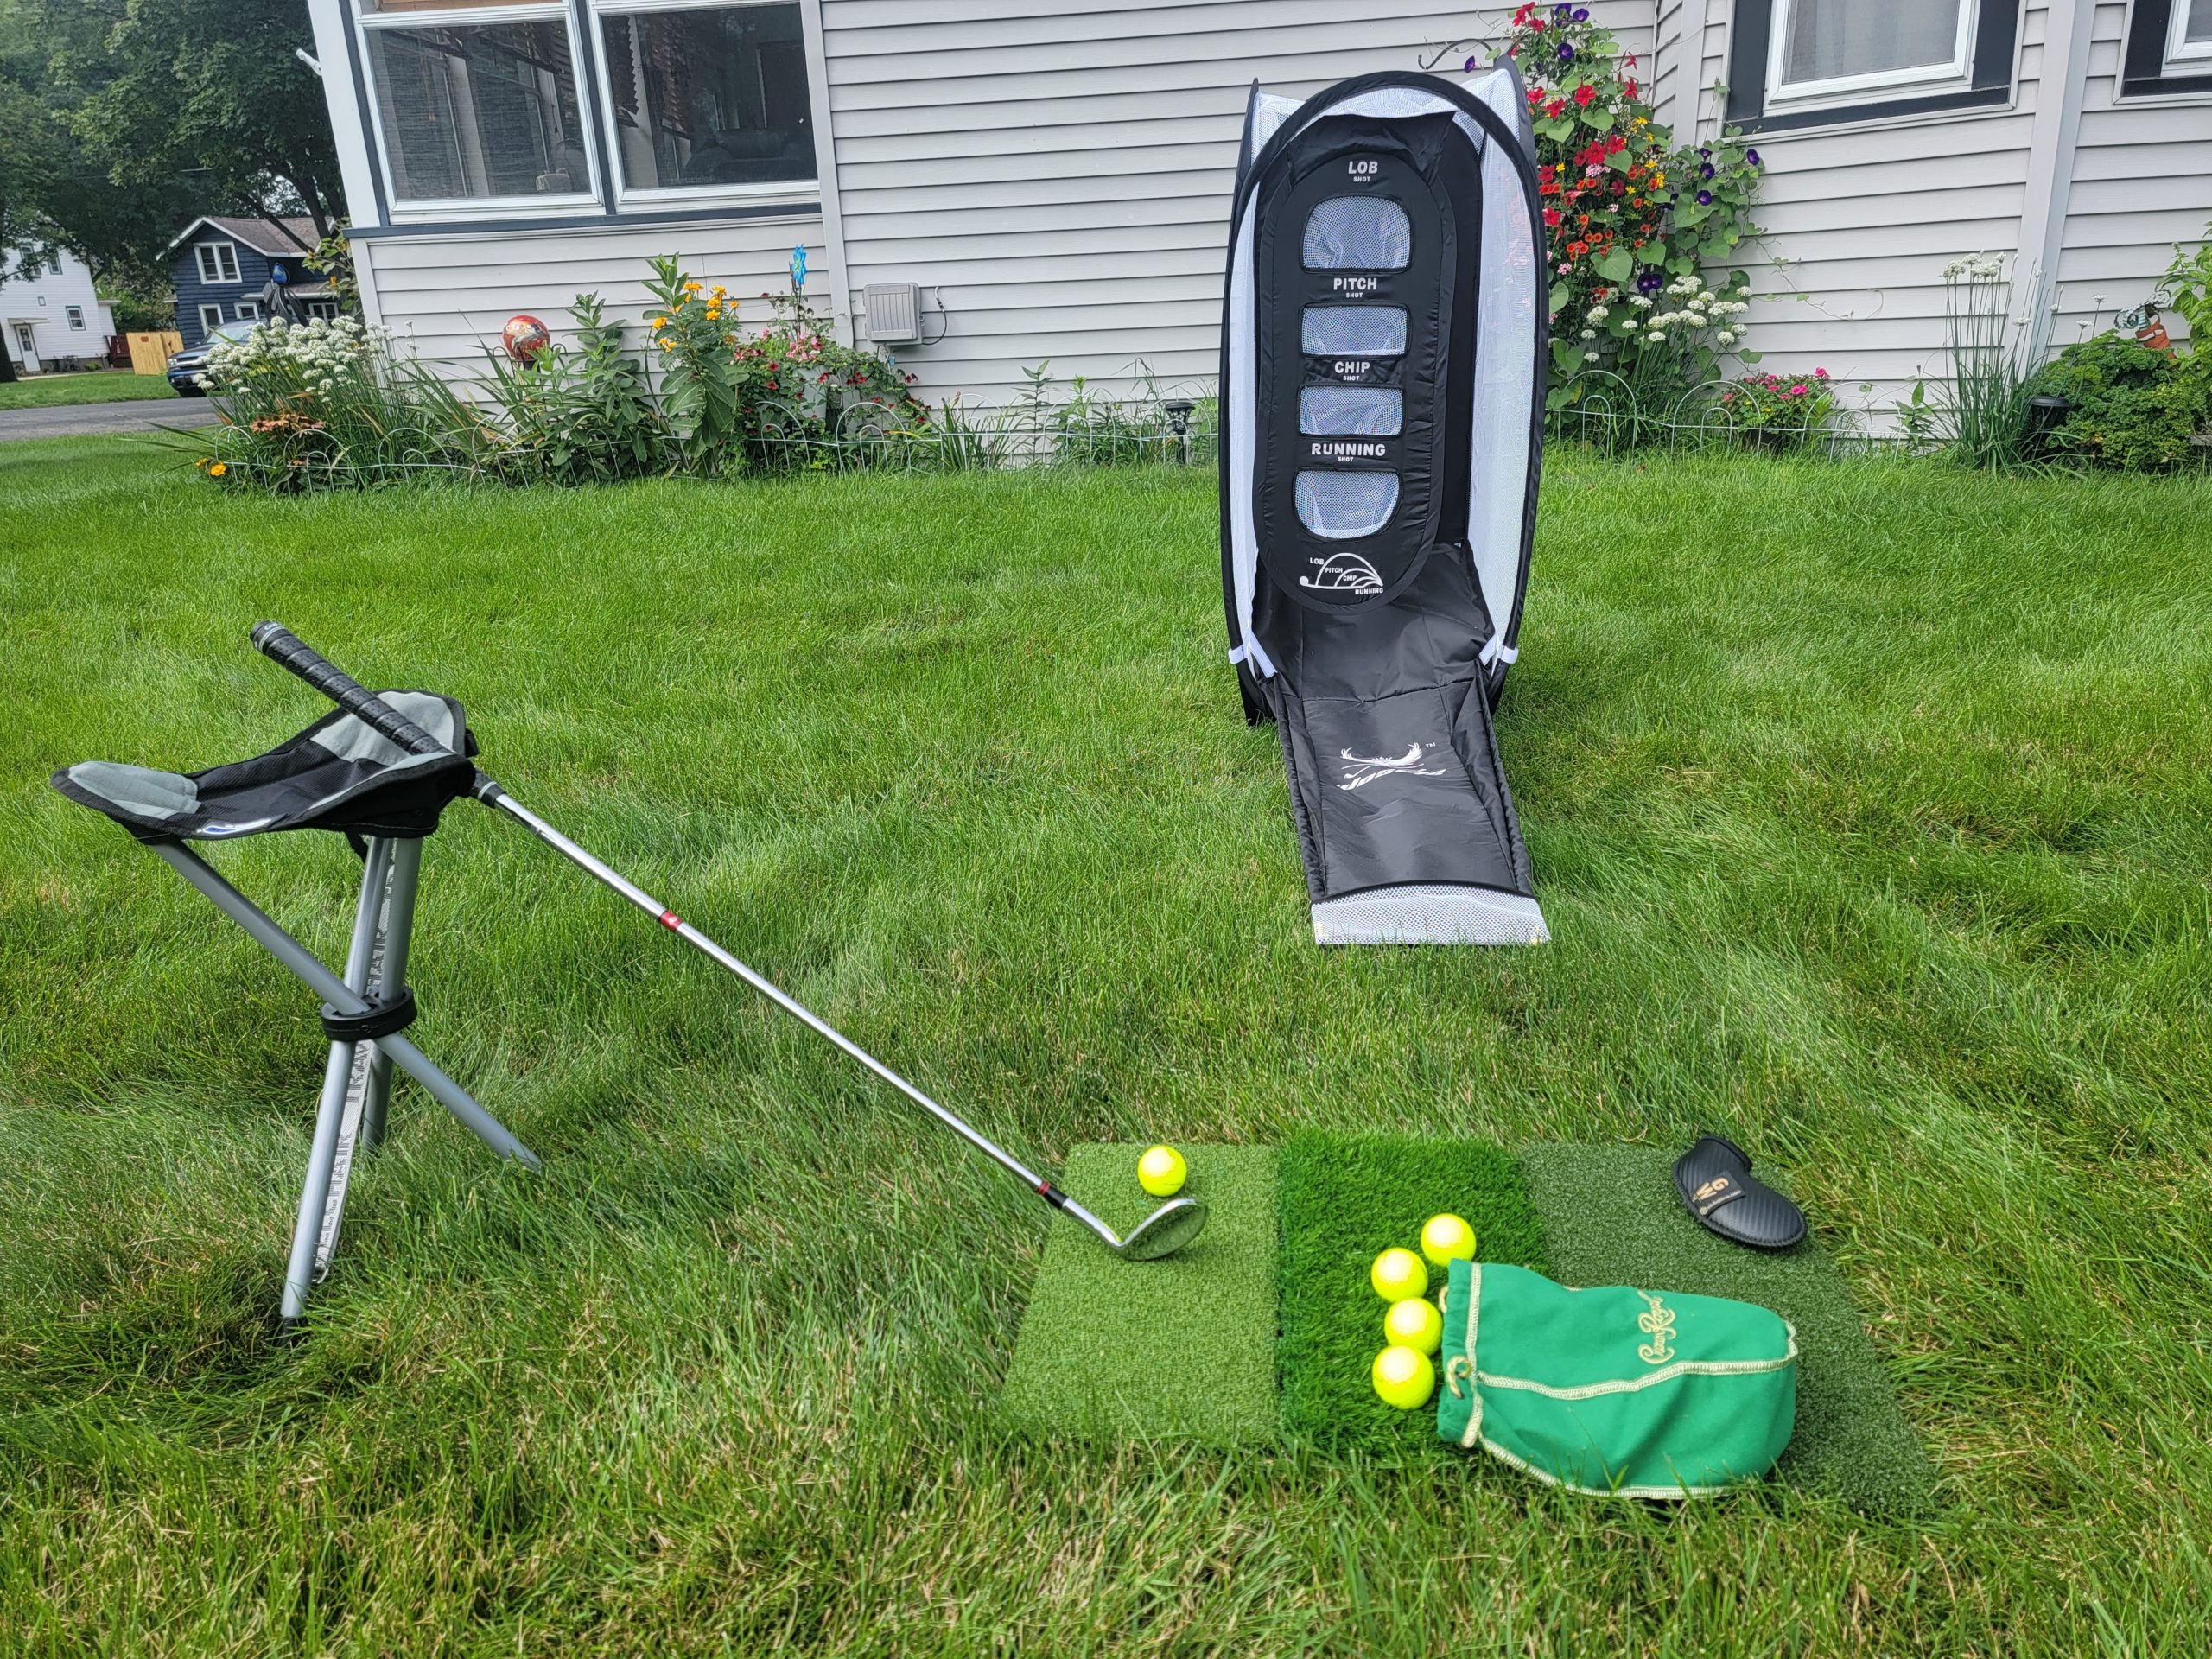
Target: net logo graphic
(1344, 573)
(1367, 768)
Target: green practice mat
(1611, 1217)
(1183, 1347)
(1343, 1200)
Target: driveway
(73, 420)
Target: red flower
(1615, 144)
(1555, 108)
(1628, 86)
(1552, 217)
(1583, 95)
(1578, 249)
(1544, 173)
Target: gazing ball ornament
(524, 337)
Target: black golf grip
(280, 644)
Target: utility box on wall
(895, 313)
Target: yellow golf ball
(1404, 1378)
(1161, 1172)
(1397, 1274)
(1414, 1323)
(1447, 1238)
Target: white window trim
(76, 316)
(206, 251)
(2182, 52)
(1921, 79)
(445, 207)
(206, 327)
(699, 195)
(247, 310)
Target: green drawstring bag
(1619, 1392)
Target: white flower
(1589, 357)
(1589, 334)
(1598, 314)
(1726, 337)
(1655, 338)
(1641, 302)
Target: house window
(2168, 49)
(248, 310)
(1805, 63)
(706, 97)
(76, 314)
(211, 318)
(322, 307)
(219, 262)
(1832, 49)
(474, 109)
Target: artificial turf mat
(1343, 1199)
(1611, 1217)
(1181, 1347)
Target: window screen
(1358, 233)
(712, 97)
(479, 109)
(2196, 26)
(1353, 330)
(1337, 507)
(1343, 411)
(1829, 39)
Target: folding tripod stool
(339, 774)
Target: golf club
(1163, 1232)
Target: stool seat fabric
(338, 774)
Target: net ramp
(1382, 361)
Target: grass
(92, 386)
(1345, 1199)
(1611, 1217)
(1181, 1349)
(1870, 807)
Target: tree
(210, 89)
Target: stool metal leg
(330, 1111)
(368, 1083)
(348, 999)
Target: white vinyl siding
(446, 297)
(1057, 178)
(2142, 183)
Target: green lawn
(92, 386)
(1871, 808)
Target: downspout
(2052, 141)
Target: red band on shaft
(671, 921)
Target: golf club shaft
(281, 645)
(493, 796)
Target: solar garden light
(1179, 421)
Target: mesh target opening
(1350, 411)
(1353, 331)
(1338, 506)
(1358, 233)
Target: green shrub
(581, 416)
(2134, 410)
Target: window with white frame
(477, 103)
(709, 95)
(1855, 49)
(2190, 40)
(248, 310)
(219, 262)
(211, 318)
(76, 314)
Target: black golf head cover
(1714, 1180)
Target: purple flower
(1650, 280)
(1470, 67)
(1702, 150)
(1708, 165)
(1582, 14)
(1566, 52)
(1752, 157)
(1705, 198)
(1560, 14)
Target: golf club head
(1165, 1231)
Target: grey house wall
(1055, 175)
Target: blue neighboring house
(219, 266)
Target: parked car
(186, 367)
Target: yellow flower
(713, 314)
(660, 323)
(217, 470)
(1658, 178)
(666, 345)
(691, 288)
(719, 290)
